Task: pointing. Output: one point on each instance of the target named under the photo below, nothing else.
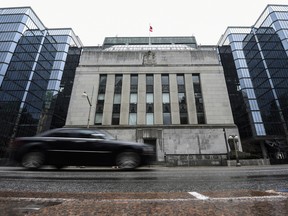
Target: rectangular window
(149, 118)
(133, 99)
(198, 99)
(166, 118)
(149, 83)
(118, 84)
(117, 100)
(102, 84)
(100, 99)
(115, 119)
(166, 99)
(149, 99)
(133, 108)
(149, 108)
(132, 118)
(182, 99)
(165, 82)
(134, 83)
(98, 118)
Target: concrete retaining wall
(195, 160)
(250, 162)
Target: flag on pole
(150, 30)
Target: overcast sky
(93, 20)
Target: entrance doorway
(152, 142)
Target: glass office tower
(255, 62)
(33, 61)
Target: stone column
(141, 105)
(125, 100)
(108, 103)
(190, 99)
(174, 104)
(158, 108)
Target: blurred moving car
(79, 147)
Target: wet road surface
(150, 191)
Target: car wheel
(127, 160)
(33, 160)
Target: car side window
(97, 136)
(59, 134)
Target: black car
(79, 147)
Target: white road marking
(209, 199)
(198, 195)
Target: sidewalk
(242, 203)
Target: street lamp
(234, 138)
(227, 148)
(84, 94)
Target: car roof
(68, 130)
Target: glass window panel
(101, 96)
(201, 118)
(99, 108)
(250, 93)
(118, 80)
(260, 130)
(103, 79)
(166, 118)
(256, 117)
(149, 88)
(181, 88)
(180, 79)
(117, 99)
(183, 118)
(133, 108)
(181, 98)
(102, 89)
(149, 98)
(149, 118)
(115, 119)
(133, 98)
(253, 105)
(165, 88)
(116, 108)
(195, 79)
(134, 79)
(165, 98)
(149, 107)
(149, 80)
(132, 119)
(166, 108)
(98, 118)
(165, 79)
(183, 108)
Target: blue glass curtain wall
(36, 66)
(266, 58)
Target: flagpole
(149, 34)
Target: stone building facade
(172, 95)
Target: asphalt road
(260, 190)
(147, 179)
